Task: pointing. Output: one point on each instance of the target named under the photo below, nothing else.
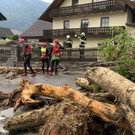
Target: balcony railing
(93, 32)
(104, 6)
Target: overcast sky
(49, 1)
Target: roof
(54, 4)
(2, 17)
(130, 3)
(4, 32)
(57, 3)
(36, 30)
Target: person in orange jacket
(26, 50)
(55, 52)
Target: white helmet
(68, 36)
(82, 34)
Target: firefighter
(69, 46)
(44, 55)
(26, 50)
(83, 41)
(55, 53)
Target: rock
(10, 63)
(62, 66)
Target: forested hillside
(21, 14)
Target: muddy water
(9, 85)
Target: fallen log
(122, 88)
(70, 118)
(3, 95)
(105, 111)
(18, 70)
(82, 82)
(114, 83)
(70, 113)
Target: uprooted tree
(121, 115)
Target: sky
(49, 1)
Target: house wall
(118, 18)
(129, 16)
(115, 19)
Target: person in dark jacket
(55, 53)
(83, 42)
(69, 43)
(44, 55)
(26, 51)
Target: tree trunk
(3, 95)
(66, 116)
(82, 82)
(114, 83)
(118, 86)
(70, 118)
(105, 111)
(18, 70)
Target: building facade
(94, 17)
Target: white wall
(117, 18)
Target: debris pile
(76, 112)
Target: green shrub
(122, 52)
(13, 37)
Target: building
(35, 32)
(94, 17)
(4, 32)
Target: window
(96, 5)
(66, 24)
(84, 23)
(74, 2)
(96, 0)
(105, 22)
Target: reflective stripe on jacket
(43, 52)
(69, 43)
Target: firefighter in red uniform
(45, 57)
(26, 50)
(55, 52)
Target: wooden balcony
(104, 6)
(94, 32)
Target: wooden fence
(89, 54)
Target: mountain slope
(21, 14)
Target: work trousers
(46, 60)
(81, 53)
(56, 63)
(27, 63)
(69, 52)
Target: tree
(13, 37)
(120, 49)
